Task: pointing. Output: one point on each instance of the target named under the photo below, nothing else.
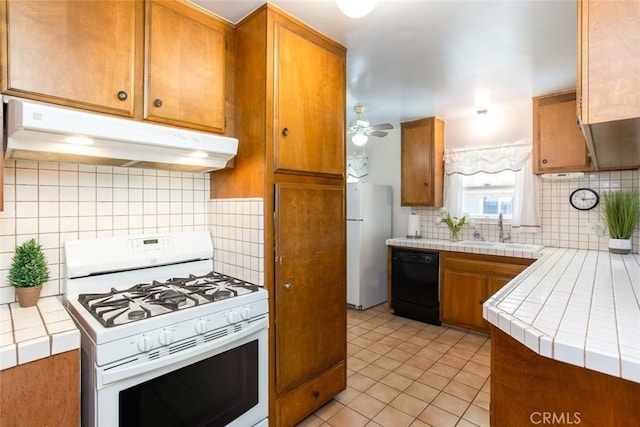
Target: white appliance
(165, 339)
(368, 228)
(39, 131)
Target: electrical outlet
(597, 229)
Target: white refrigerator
(368, 228)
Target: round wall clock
(584, 199)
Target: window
(485, 195)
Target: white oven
(166, 341)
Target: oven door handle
(106, 376)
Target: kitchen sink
(523, 247)
(478, 243)
(505, 246)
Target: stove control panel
(193, 328)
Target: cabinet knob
(316, 394)
(122, 95)
(426, 184)
(545, 161)
(287, 286)
(285, 131)
(157, 102)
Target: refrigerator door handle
(355, 220)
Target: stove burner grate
(137, 302)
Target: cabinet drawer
(299, 403)
(484, 267)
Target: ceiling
(410, 59)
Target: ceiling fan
(362, 129)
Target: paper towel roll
(413, 228)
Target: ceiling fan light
(356, 8)
(359, 139)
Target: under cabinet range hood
(44, 132)
(613, 145)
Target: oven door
(218, 383)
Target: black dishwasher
(415, 289)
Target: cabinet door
(608, 60)
(78, 53)
(495, 283)
(185, 67)
(309, 130)
(558, 143)
(422, 165)
(310, 281)
(462, 297)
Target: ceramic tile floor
(405, 373)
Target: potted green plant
(28, 271)
(621, 212)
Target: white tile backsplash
(56, 202)
(562, 226)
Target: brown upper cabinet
(608, 60)
(422, 165)
(558, 143)
(309, 104)
(184, 66)
(95, 55)
(76, 53)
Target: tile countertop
(576, 306)
(500, 249)
(32, 333)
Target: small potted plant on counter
(622, 212)
(28, 272)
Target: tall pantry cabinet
(290, 121)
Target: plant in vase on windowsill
(621, 212)
(454, 223)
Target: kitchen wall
(56, 202)
(562, 225)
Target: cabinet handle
(157, 102)
(545, 161)
(287, 286)
(316, 394)
(285, 131)
(122, 95)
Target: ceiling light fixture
(481, 101)
(356, 8)
(359, 139)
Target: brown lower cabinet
(468, 280)
(528, 389)
(45, 392)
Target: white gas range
(165, 339)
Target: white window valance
(515, 157)
(469, 161)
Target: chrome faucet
(501, 235)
